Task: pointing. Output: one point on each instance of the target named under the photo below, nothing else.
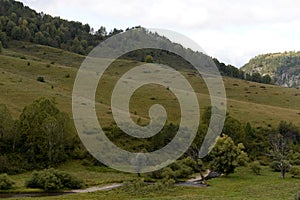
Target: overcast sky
(231, 30)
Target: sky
(233, 31)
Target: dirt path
(97, 188)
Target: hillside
(21, 65)
(39, 62)
(284, 68)
(19, 22)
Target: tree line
(41, 137)
(231, 71)
(19, 22)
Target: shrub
(275, 165)
(45, 179)
(69, 181)
(51, 179)
(190, 162)
(255, 167)
(295, 171)
(5, 182)
(183, 172)
(40, 79)
(167, 173)
(149, 59)
(295, 158)
(178, 169)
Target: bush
(183, 172)
(51, 179)
(69, 181)
(295, 158)
(149, 59)
(190, 162)
(167, 173)
(255, 167)
(178, 169)
(5, 182)
(295, 171)
(41, 79)
(275, 165)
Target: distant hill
(283, 68)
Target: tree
(40, 38)
(101, 31)
(249, 132)
(279, 152)
(3, 39)
(225, 155)
(256, 77)
(194, 150)
(9, 27)
(16, 33)
(76, 46)
(6, 129)
(45, 133)
(266, 79)
(289, 131)
(234, 129)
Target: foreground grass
(241, 185)
(91, 175)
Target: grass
(243, 184)
(91, 175)
(262, 105)
(259, 104)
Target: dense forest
(19, 22)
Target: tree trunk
(283, 173)
(199, 167)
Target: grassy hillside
(21, 64)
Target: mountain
(283, 68)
